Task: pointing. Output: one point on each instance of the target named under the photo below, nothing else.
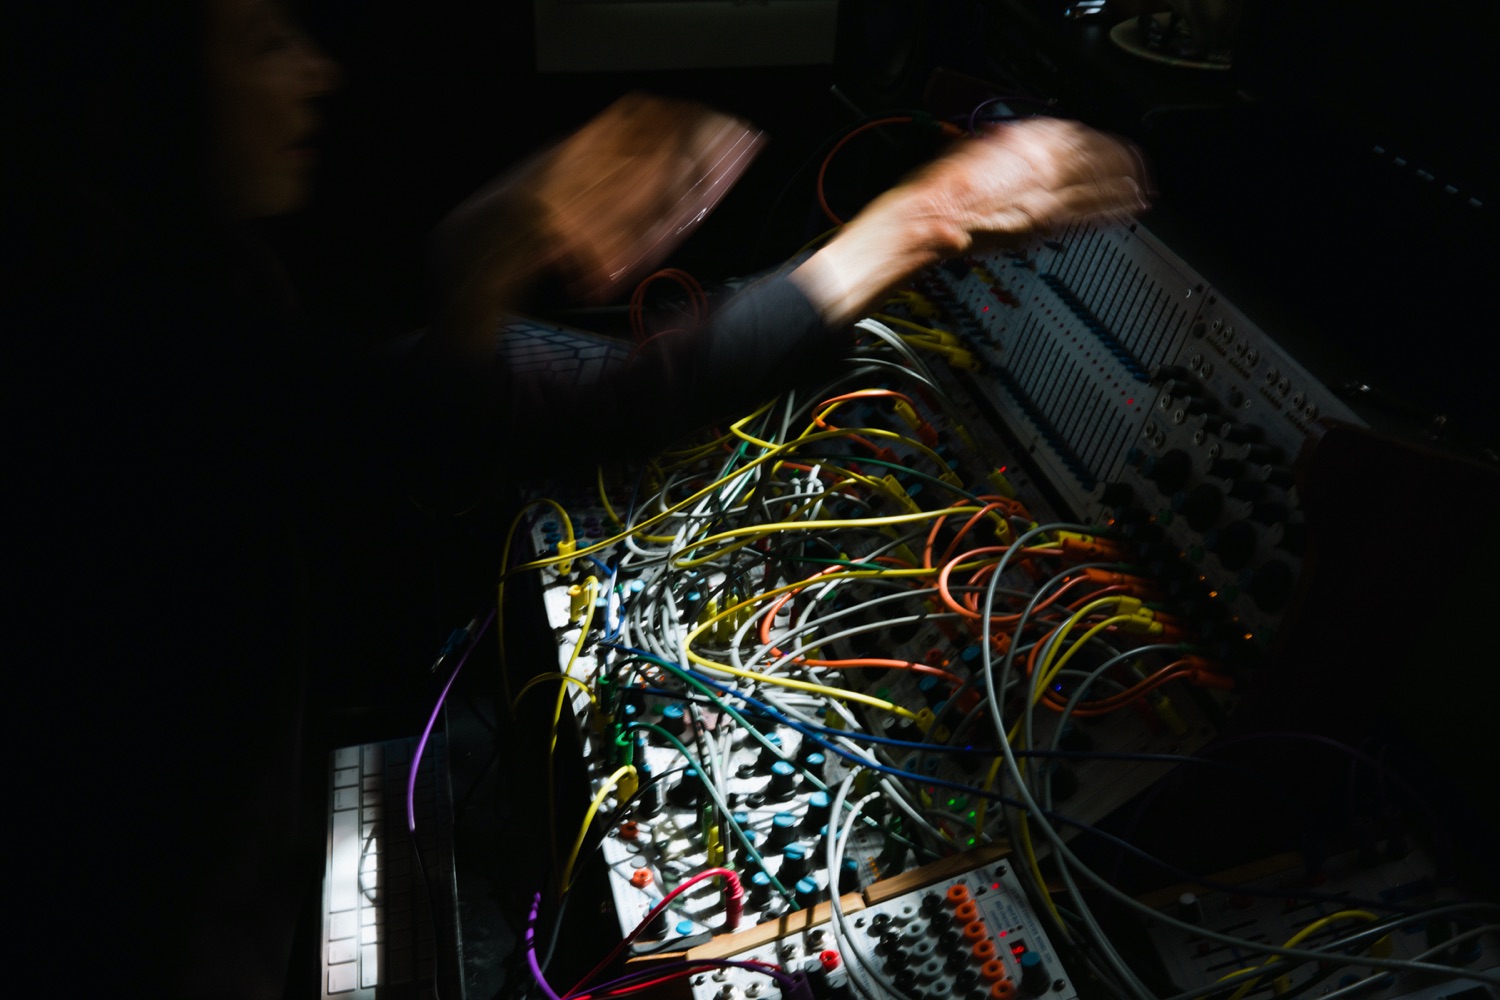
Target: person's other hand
(1010, 182)
(623, 191)
(1014, 180)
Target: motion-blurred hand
(1011, 181)
(617, 196)
(1027, 177)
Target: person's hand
(617, 196)
(1018, 179)
(598, 210)
(1010, 182)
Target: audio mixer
(988, 583)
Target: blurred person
(176, 436)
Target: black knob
(1169, 471)
(1174, 373)
(794, 863)
(813, 763)
(1263, 454)
(740, 852)
(688, 792)
(1168, 569)
(760, 890)
(893, 856)
(1115, 494)
(1075, 738)
(1190, 908)
(652, 798)
(1034, 976)
(1064, 783)
(1270, 512)
(849, 876)
(1200, 505)
(783, 779)
(1270, 585)
(1246, 489)
(783, 830)
(1229, 430)
(1143, 532)
(1196, 404)
(770, 754)
(817, 811)
(1234, 543)
(1278, 475)
(1229, 468)
(674, 719)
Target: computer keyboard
(378, 939)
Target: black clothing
(175, 444)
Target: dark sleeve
(758, 342)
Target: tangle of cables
(834, 642)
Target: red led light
(1018, 949)
(986, 309)
(1003, 933)
(1130, 401)
(996, 885)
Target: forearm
(892, 239)
(1009, 183)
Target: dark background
(1266, 176)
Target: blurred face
(264, 72)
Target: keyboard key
(344, 864)
(342, 925)
(372, 944)
(342, 978)
(369, 967)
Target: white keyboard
(377, 929)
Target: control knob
(1200, 505)
(1240, 433)
(1234, 543)
(1168, 471)
(1270, 585)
